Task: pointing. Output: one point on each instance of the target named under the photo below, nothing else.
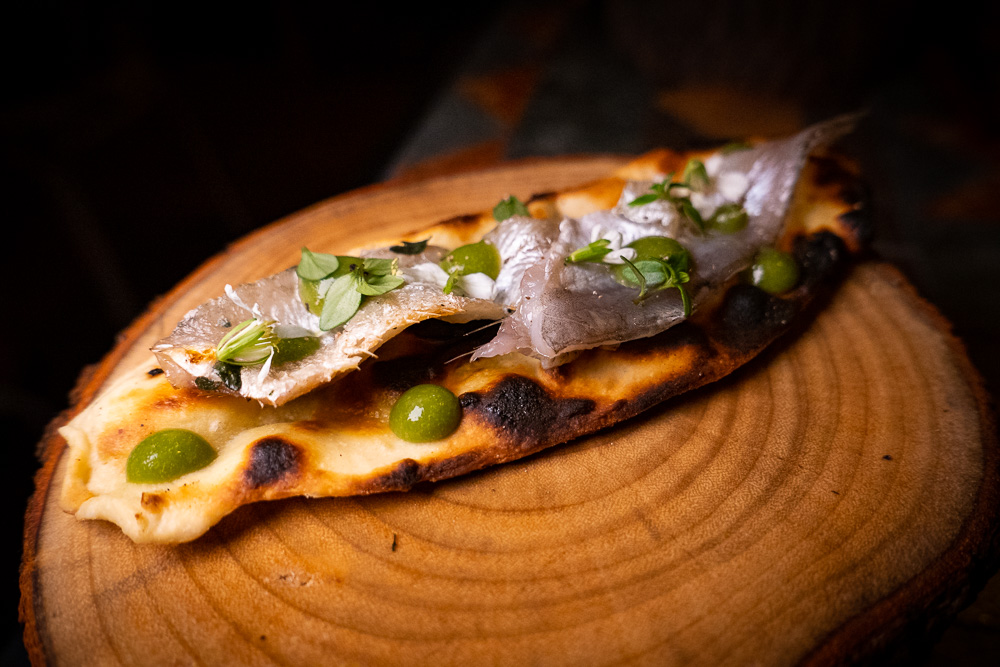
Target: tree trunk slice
(825, 503)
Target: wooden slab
(830, 501)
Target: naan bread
(335, 441)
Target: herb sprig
(509, 207)
(649, 270)
(353, 280)
(410, 247)
(594, 251)
(694, 178)
(654, 275)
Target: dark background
(137, 140)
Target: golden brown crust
(335, 441)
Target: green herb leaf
(379, 267)
(316, 265)
(230, 374)
(654, 275)
(450, 283)
(639, 279)
(341, 302)
(410, 247)
(508, 207)
(657, 191)
(592, 252)
(376, 285)
(644, 199)
(685, 299)
(692, 214)
(695, 175)
(206, 384)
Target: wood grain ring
(825, 503)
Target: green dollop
(424, 413)
(166, 455)
(774, 271)
(728, 219)
(662, 247)
(479, 257)
(293, 349)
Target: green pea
(774, 271)
(166, 455)
(662, 247)
(312, 292)
(424, 413)
(479, 257)
(293, 349)
(728, 219)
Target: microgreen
(341, 302)
(592, 252)
(694, 178)
(230, 374)
(249, 342)
(695, 175)
(376, 285)
(654, 275)
(658, 264)
(410, 247)
(449, 284)
(316, 265)
(508, 207)
(345, 294)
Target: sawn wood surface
(834, 500)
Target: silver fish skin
(188, 353)
(522, 242)
(567, 308)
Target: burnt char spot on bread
(749, 317)
(405, 474)
(271, 459)
(858, 223)
(520, 406)
(819, 256)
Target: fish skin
(188, 352)
(564, 309)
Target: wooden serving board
(830, 501)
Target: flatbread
(335, 441)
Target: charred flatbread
(319, 425)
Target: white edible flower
(235, 298)
(265, 369)
(427, 272)
(704, 204)
(712, 164)
(618, 254)
(732, 185)
(475, 285)
(478, 286)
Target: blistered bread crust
(336, 442)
